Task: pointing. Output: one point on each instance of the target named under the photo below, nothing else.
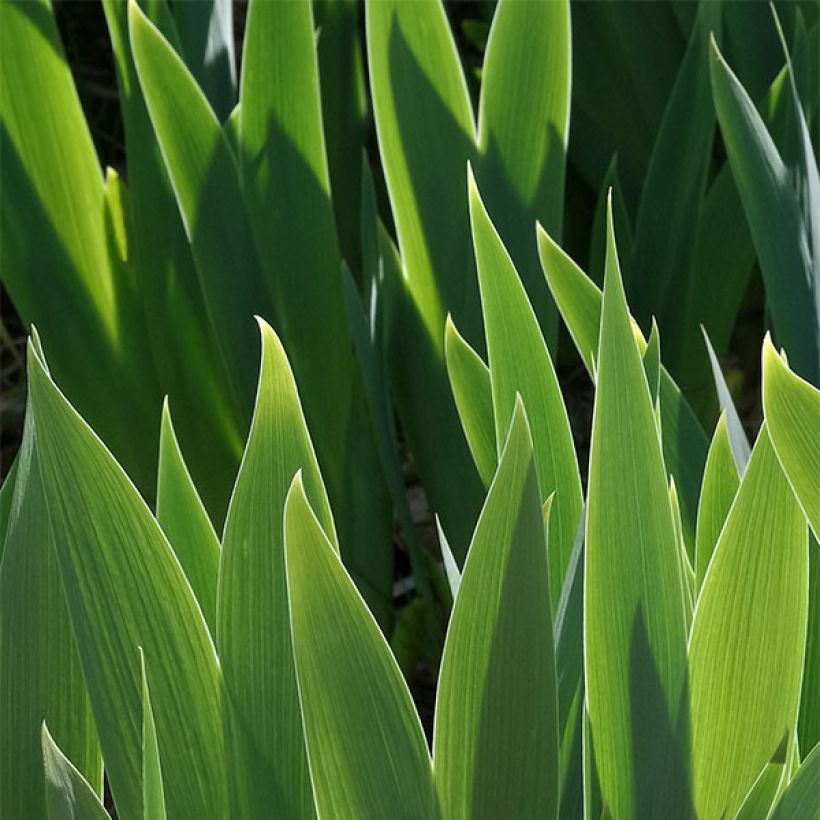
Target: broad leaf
(635, 633)
(368, 757)
(496, 733)
(124, 588)
(748, 637)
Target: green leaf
(675, 182)
(748, 637)
(496, 734)
(623, 227)
(523, 125)
(253, 632)
(720, 483)
(55, 255)
(175, 319)
(635, 633)
(283, 160)
(185, 522)
(424, 123)
(124, 588)
(758, 801)
(6, 495)
(652, 363)
(204, 176)
(40, 675)
(687, 573)
(684, 442)
(153, 795)
(520, 363)
(344, 111)
(792, 408)
(206, 36)
(737, 435)
(68, 794)
(470, 382)
(450, 566)
(783, 240)
(368, 757)
(799, 800)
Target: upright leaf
(792, 408)
(786, 242)
(124, 588)
(523, 125)
(40, 675)
(720, 483)
(367, 753)
(520, 364)
(68, 794)
(185, 522)
(748, 637)
(470, 382)
(799, 800)
(496, 733)
(684, 442)
(269, 764)
(207, 40)
(635, 633)
(153, 795)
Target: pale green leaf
(720, 483)
(450, 566)
(634, 626)
(520, 364)
(185, 522)
(792, 408)
(153, 795)
(68, 794)
(523, 125)
(496, 733)
(652, 362)
(368, 757)
(758, 801)
(40, 675)
(124, 588)
(253, 632)
(684, 442)
(799, 800)
(470, 382)
(748, 637)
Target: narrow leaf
(635, 633)
(799, 800)
(153, 795)
(472, 391)
(253, 633)
(496, 734)
(68, 794)
(520, 364)
(748, 638)
(720, 483)
(368, 757)
(185, 522)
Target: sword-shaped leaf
(799, 800)
(368, 757)
(124, 588)
(68, 794)
(153, 794)
(748, 637)
(520, 364)
(496, 733)
(635, 632)
(253, 633)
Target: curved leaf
(799, 800)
